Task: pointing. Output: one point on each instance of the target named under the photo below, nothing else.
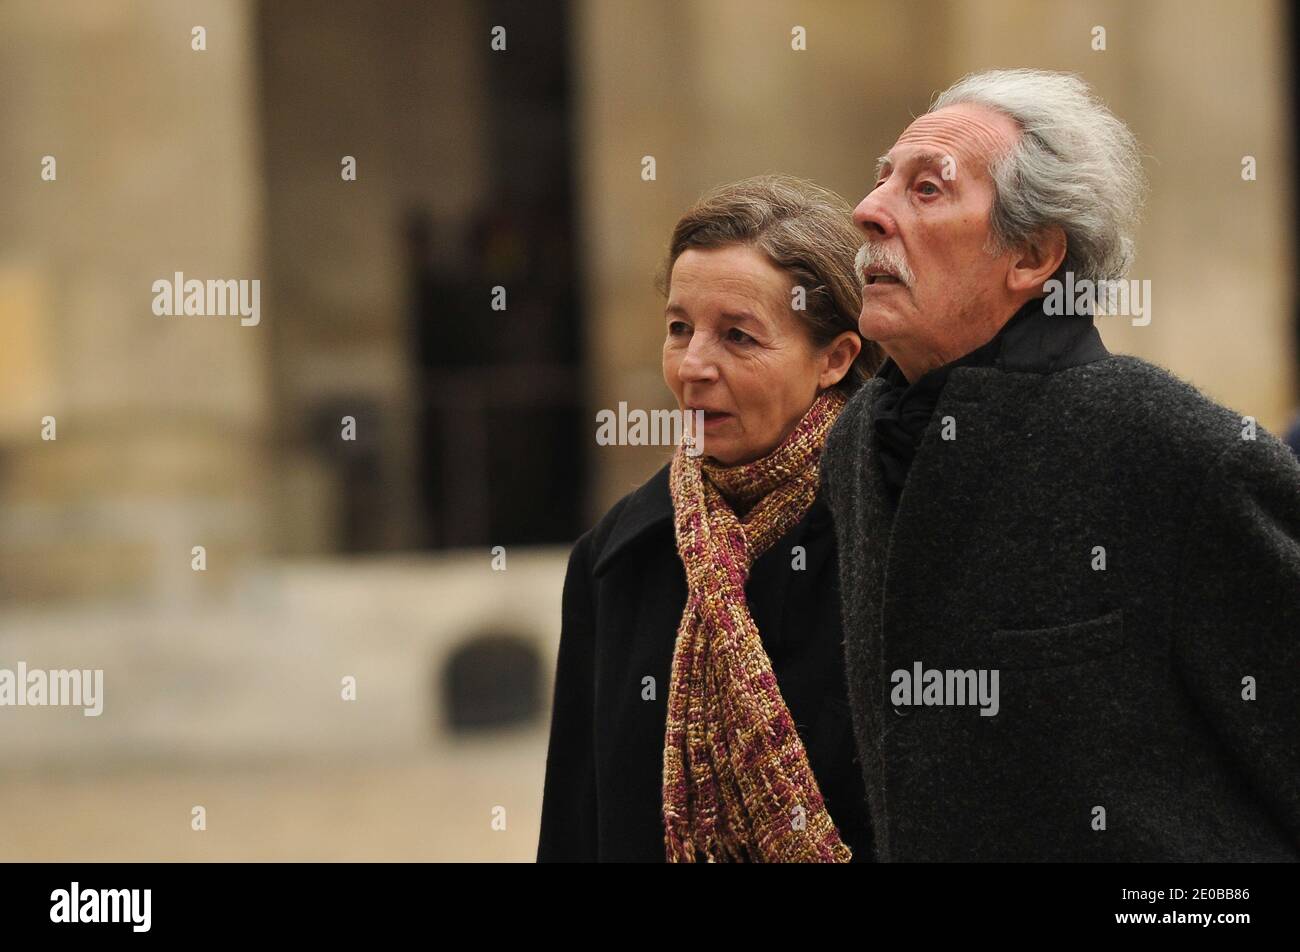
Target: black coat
(1122, 683)
(623, 599)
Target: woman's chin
(720, 453)
(729, 454)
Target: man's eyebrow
(921, 158)
(675, 309)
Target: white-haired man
(1070, 582)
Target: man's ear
(1038, 261)
(839, 357)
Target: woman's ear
(837, 358)
(1037, 262)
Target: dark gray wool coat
(1123, 732)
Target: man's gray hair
(1075, 165)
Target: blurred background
(425, 557)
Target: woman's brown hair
(802, 228)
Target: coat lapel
(948, 486)
(856, 491)
(883, 554)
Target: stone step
(260, 674)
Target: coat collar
(1031, 341)
(648, 506)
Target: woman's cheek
(670, 364)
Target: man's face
(927, 218)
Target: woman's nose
(699, 363)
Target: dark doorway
(500, 435)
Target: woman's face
(735, 349)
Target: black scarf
(1030, 342)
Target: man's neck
(916, 360)
(916, 364)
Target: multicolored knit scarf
(737, 783)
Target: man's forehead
(966, 131)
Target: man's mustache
(882, 257)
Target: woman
(700, 708)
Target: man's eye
(934, 189)
(738, 336)
(675, 328)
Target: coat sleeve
(568, 831)
(1238, 617)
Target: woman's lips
(714, 418)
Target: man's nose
(873, 217)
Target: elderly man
(1070, 582)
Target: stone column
(159, 419)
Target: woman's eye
(675, 328)
(738, 336)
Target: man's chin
(878, 323)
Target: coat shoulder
(846, 435)
(1125, 401)
(630, 518)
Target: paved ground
(439, 808)
(238, 706)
